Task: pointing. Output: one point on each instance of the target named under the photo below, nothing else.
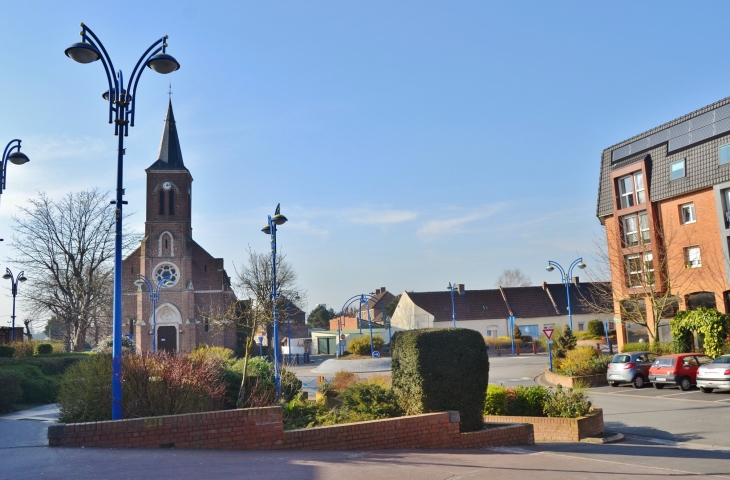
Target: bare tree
(254, 314)
(66, 248)
(513, 277)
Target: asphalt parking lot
(667, 392)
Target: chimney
(460, 288)
(544, 285)
(382, 289)
(377, 291)
(576, 281)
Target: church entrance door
(167, 339)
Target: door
(167, 338)
(323, 346)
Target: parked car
(714, 375)
(679, 369)
(630, 368)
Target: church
(198, 286)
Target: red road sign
(548, 333)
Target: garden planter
(568, 382)
(558, 429)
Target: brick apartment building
(201, 287)
(664, 199)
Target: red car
(678, 369)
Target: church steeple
(170, 155)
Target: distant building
(488, 311)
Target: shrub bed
(662, 348)
(582, 361)
(536, 402)
(361, 345)
(436, 370)
(10, 391)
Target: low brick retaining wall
(568, 382)
(558, 429)
(263, 429)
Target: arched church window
(166, 244)
(162, 202)
(171, 208)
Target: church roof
(170, 155)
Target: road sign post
(608, 340)
(376, 354)
(549, 334)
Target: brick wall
(558, 429)
(262, 429)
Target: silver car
(714, 375)
(630, 368)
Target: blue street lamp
(451, 287)
(270, 229)
(154, 297)
(288, 319)
(12, 152)
(567, 280)
(14, 282)
(121, 113)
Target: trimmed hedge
(6, 351)
(55, 364)
(44, 349)
(10, 392)
(35, 386)
(440, 369)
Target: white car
(714, 375)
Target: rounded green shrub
(44, 349)
(596, 328)
(361, 345)
(371, 398)
(440, 369)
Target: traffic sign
(548, 333)
(376, 354)
(342, 336)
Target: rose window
(167, 271)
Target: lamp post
(154, 297)
(451, 287)
(121, 113)
(270, 229)
(12, 152)
(288, 320)
(14, 282)
(567, 280)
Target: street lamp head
(168, 283)
(297, 297)
(7, 276)
(581, 265)
(139, 282)
(278, 218)
(449, 287)
(123, 96)
(18, 158)
(163, 63)
(83, 52)
(267, 229)
(22, 278)
(550, 268)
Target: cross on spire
(169, 92)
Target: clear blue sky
(409, 143)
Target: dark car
(630, 368)
(678, 369)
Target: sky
(410, 144)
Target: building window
(207, 324)
(726, 206)
(639, 269)
(677, 170)
(167, 271)
(162, 202)
(581, 326)
(626, 191)
(639, 184)
(636, 229)
(724, 154)
(692, 257)
(688, 212)
(492, 332)
(627, 186)
(171, 207)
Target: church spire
(170, 155)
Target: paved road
(505, 463)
